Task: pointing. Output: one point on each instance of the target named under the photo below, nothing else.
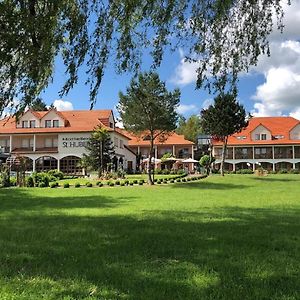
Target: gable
(295, 133)
(28, 116)
(259, 130)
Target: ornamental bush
(30, 181)
(111, 184)
(100, 184)
(42, 185)
(66, 185)
(135, 181)
(89, 184)
(77, 184)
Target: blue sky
(271, 88)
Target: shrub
(57, 174)
(158, 181)
(283, 171)
(53, 185)
(141, 182)
(42, 185)
(111, 184)
(117, 182)
(66, 185)
(158, 171)
(130, 183)
(100, 184)
(294, 171)
(180, 171)
(178, 180)
(77, 185)
(13, 181)
(122, 184)
(188, 179)
(89, 184)
(183, 180)
(172, 181)
(166, 171)
(244, 171)
(126, 181)
(135, 181)
(30, 182)
(40, 177)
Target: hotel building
(57, 139)
(270, 142)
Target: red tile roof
(77, 121)
(276, 125)
(171, 139)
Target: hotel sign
(74, 142)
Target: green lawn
(236, 237)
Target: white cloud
(280, 92)
(185, 72)
(295, 114)
(189, 108)
(62, 105)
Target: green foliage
(244, 171)
(283, 171)
(54, 185)
(66, 185)
(38, 178)
(206, 161)
(111, 184)
(166, 156)
(148, 109)
(222, 119)
(30, 182)
(89, 184)
(4, 176)
(135, 181)
(57, 174)
(294, 171)
(100, 151)
(42, 184)
(77, 185)
(33, 33)
(38, 105)
(190, 128)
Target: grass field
(236, 237)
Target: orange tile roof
(76, 121)
(277, 126)
(172, 139)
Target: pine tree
(222, 119)
(148, 109)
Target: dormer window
(278, 137)
(241, 137)
(47, 123)
(24, 124)
(55, 123)
(261, 137)
(147, 138)
(32, 124)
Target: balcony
(243, 153)
(283, 152)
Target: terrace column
(33, 165)
(34, 143)
(233, 167)
(174, 154)
(192, 152)
(294, 164)
(273, 167)
(58, 164)
(273, 152)
(233, 155)
(156, 151)
(10, 143)
(139, 150)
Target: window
(116, 142)
(24, 124)
(25, 143)
(48, 143)
(244, 151)
(111, 125)
(55, 123)
(263, 137)
(55, 142)
(242, 137)
(278, 137)
(48, 123)
(31, 142)
(32, 124)
(121, 144)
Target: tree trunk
(223, 155)
(150, 180)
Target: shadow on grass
(206, 185)
(272, 179)
(23, 201)
(232, 253)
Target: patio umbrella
(190, 161)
